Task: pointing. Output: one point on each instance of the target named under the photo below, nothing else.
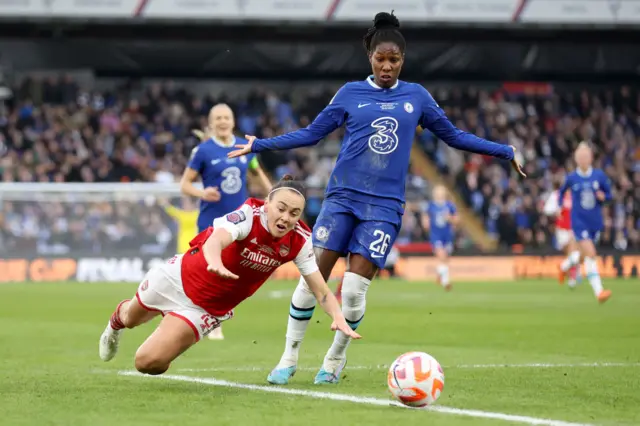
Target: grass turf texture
(51, 374)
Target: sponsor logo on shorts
(145, 285)
(322, 234)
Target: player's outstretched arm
(327, 121)
(329, 303)
(212, 250)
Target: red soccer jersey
(253, 255)
(562, 213)
(564, 219)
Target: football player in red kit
(224, 265)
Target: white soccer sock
(572, 260)
(303, 302)
(591, 265)
(443, 273)
(354, 289)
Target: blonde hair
(203, 134)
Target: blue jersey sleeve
(197, 160)
(434, 119)
(605, 183)
(332, 117)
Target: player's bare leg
(443, 267)
(128, 314)
(172, 337)
(303, 303)
(356, 283)
(588, 250)
(338, 292)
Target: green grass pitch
(487, 336)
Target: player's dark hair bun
(288, 181)
(384, 20)
(386, 28)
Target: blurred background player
(590, 189)
(565, 240)
(225, 264)
(439, 218)
(224, 179)
(186, 217)
(364, 200)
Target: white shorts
(161, 291)
(563, 237)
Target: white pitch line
(359, 400)
(461, 366)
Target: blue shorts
(583, 233)
(445, 243)
(352, 227)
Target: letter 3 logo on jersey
(385, 140)
(236, 217)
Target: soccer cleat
(562, 276)
(281, 376)
(448, 286)
(604, 296)
(216, 334)
(109, 342)
(325, 377)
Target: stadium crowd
(52, 130)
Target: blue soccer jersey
(210, 160)
(364, 199)
(440, 229)
(586, 211)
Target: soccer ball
(416, 379)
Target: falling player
(440, 218)
(224, 179)
(364, 200)
(564, 236)
(589, 188)
(226, 264)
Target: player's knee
(149, 363)
(354, 289)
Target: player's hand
(517, 166)
(242, 149)
(341, 325)
(211, 194)
(600, 196)
(221, 271)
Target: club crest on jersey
(236, 217)
(408, 107)
(322, 234)
(284, 251)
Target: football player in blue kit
(364, 199)
(224, 180)
(440, 217)
(590, 189)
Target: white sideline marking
(462, 366)
(358, 399)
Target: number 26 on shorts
(380, 245)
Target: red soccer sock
(115, 322)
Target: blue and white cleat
(325, 377)
(281, 376)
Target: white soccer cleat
(216, 334)
(109, 342)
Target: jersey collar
(220, 143)
(375, 86)
(584, 174)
